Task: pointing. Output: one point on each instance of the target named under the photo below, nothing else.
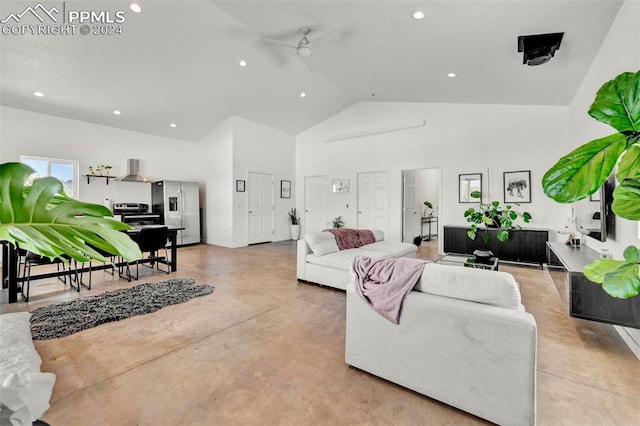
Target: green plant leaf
(486, 237)
(487, 220)
(623, 282)
(596, 270)
(626, 201)
(582, 171)
(471, 234)
(475, 194)
(502, 235)
(526, 216)
(41, 218)
(616, 103)
(632, 254)
(629, 164)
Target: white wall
(28, 133)
(458, 138)
(427, 189)
(262, 149)
(620, 52)
(214, 165)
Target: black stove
(136, 214)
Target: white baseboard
(632, 341)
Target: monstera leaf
(41, 218)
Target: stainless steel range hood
(133, 172)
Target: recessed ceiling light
(243, 63)
(38, 94)
(418, 15)
(172, 125)
(116, 112)
(302, 94)
(135, 7)
(451, 74)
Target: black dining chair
(111, 269)
(29, 260)
(152, 239)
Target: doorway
(260, 208)
(418, 220)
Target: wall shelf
(99, 177)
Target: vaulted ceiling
(178, 61)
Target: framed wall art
(468, 183)
(239, 186)
(517, 186)
(340, 186)
(285, 189)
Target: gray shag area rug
(71, 317)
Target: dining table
(11, 280)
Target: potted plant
(428, 209)
(492, 215)
(338, 222)
(294, 221)
(582, 172)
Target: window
(64, 170)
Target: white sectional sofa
(320, 260)
(464, 338)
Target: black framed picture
(239, 186)
(517, 186)
(285, 189)
(468, 183)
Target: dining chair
(152, 239)
(29, 260)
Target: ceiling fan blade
(280, 43)
(327, 37)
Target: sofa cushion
(393, 248)
(321, 243)
(378, 234)
(343, 259)
(476, 285)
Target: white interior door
(315, 203)
(373, 201)
(411, 216)
(260, 195)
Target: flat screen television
(594, 217)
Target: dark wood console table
(525, 245)
(587, 300)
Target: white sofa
(24, 390)
(464, 339)
(320, 260)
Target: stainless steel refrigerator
(178, 204)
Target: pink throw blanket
(384, 283)
(347, 238)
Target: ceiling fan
(303, 48)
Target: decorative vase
(295, 232)
(483, 256)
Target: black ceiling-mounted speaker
(539, 48)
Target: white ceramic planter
(295, 232)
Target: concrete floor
(265, 349)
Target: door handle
(359, 212)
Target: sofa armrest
(303, 251)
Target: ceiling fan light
(304, 51)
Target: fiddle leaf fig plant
(41, 218)
(583, 171)
(493, 215)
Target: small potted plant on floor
(338, 222)
(294, 221)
